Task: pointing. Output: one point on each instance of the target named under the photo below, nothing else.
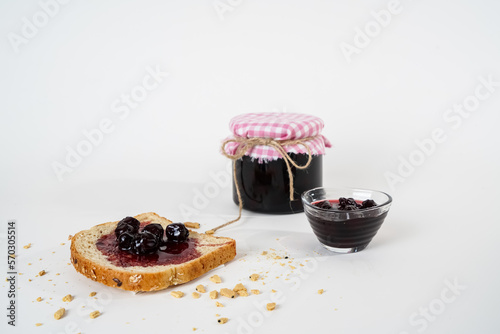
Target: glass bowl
(344, 231)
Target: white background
(68, 73)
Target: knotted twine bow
(246, 144)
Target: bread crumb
(194, 328)
(201, 288)
(227, 293)
(94, 314)
(254, 277)
(41, 273)
(59, 313)
(320, 291)
(218, 304)
(39, 299)
(264, 253)
(214, 294)
(255, 291)
(271, 306)
(242, 293)
(67, 298)
(62, 244)
(177, 294)
(292, 267)
(92, 294)
(27, 246)
(196, 295)
(222, 320)
(70, 237)
(239, 287)
(216, 279)
(210, 232)
(192, 225)
(38, 324)
(273, 291)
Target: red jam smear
(172, 253)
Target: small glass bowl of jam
(345, 220)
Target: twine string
(246, 144)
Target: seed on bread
(201, 288)
(216, 279)
(118, 282)
(177, 294)
(59, 313)
(214, 294)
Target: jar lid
(278, 126)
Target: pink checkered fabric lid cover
(278, 126)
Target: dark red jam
(345, 229)
(169, 253)
(265, 186)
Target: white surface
(263, 56)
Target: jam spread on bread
(169, 253)
(144, 244)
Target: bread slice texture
(91, 262)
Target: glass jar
(265, 187)
(262, 174)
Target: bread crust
(137, 279)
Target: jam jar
(259, 145)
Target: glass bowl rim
(378, 206)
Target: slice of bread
(91, 262)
